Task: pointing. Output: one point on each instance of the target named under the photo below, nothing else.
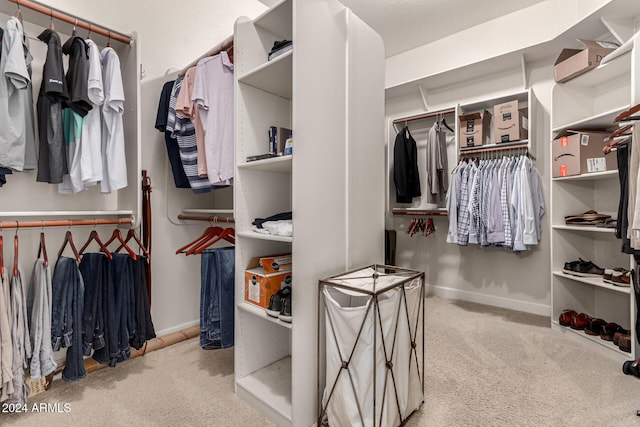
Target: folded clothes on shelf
(590, 217)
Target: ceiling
(406, 24)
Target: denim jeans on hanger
(217, 298)
(119, 311)
(95, 271)
(67, 307)
(144, 325)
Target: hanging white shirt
(91, 141)
(114, 163)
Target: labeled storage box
(259, 285)
(474, 128)
(276, 263)
(573, 62)
(509, 123)
(576, 152)
(371, 322)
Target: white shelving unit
(591, 101)
(330, 91)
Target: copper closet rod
(63, 223)
(425, 116)
(73, 20)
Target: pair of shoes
(580, 321)
(594, 327)
(566, 316)
(280, 304)
(609, 330)
(623, 340)
(617, 276)
(582, 268)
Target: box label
(525, 123)
(564, 141)
(506, 116)
(596, 164)
(254, 289)
(584, 140)
(469, 141)
(564, 170)
(470, 125)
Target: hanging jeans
(66, 316)
(39, 306)
(119, 311)
(144, 325)
(217, 298)
(20, 338)
(95, 271)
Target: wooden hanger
(227, 234)
(628, 114)
(117, 235)
(15, 254)
(200, 239)
(623, 130)
(214, 234)
(131, 234)
(94, 236)
(42, 250)
(68, 239)
(1, 257)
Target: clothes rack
(516, 146)
(63, 223)
(224, 45)
(206, 218)
(436, 212)
(424, 116)
(73, 20)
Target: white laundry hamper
(373, 336)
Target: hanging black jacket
(405, 167)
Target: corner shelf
(601, 120)
(259, 312)
(260, 236)
(281, 164)
(273, 76)
(598, 282)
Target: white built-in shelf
(207, 211)
(272, 76)
(593, 176)
(598, 121)
(65, 214)
(281, 164)
(277, 20)
(604, 72)
(594, 338)
(269, 390)
(262, 314)
(594, 281)
(585, 228)
(260, 236)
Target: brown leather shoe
(609, 330)
(566, 316)
(580, 321)
(624, 343)
(620, 334)
(594, 327)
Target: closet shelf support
(64, 223)
(73, 20)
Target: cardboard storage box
(509, 123)
(276, 263)
(577, 152)
(259, 285)
(474, 128)
(573, 62)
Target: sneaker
(285, 313)
(583, 268)
(621, 278)
(276, 300)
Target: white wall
(171, 34)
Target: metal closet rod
(73, 20)
(425, 116)
(206, 218)
(523, 147)
(63, 223)
(420, 213)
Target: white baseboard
(177, 328)
(496, 301)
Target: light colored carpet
(485, 366)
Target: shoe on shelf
(620, 334)
(566, 316)
(609, 330)
(594, 327)
(608, 273)
(624, 343)
(276, 300)
(285, 313)
(580, 321)
(621, 278)
(583, 268)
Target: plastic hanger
(89, 33)
(131, 234)
(93, 236)
(444, 122)
(42, 250)
(68, 239)
(200, 239)
(227, 234)
(117, 235)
